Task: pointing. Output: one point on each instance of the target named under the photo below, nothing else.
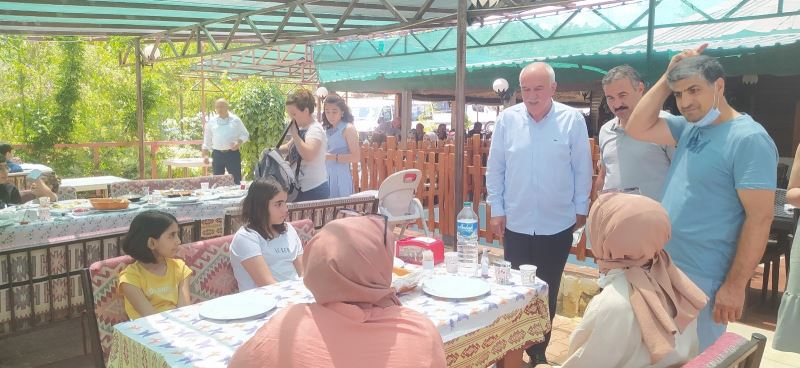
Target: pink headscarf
(630, 232)
(357, 320)
(349, 262)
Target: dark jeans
(322, 191)
(230, 160)
(549, 254)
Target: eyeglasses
(349, 212)
(629, 190)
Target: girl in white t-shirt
(266, 249)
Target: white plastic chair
(397, 199)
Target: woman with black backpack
(307, 147)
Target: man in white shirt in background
(223, 136)
(539, 176)
(626, 162)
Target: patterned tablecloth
(68, 228)
(476, 332)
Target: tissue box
(410, 249)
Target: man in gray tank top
(626, 162)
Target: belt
(224, 151)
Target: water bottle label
(467, 228)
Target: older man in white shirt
(539, 176)
(223, 136)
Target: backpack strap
(300, 157)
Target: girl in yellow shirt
(157, 281)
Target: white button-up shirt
(221, 133)
(539, 174)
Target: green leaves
(261, 106)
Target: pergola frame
(199, 41)
(273, 25)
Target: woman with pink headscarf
(646, 315)
(357, 320)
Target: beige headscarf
(629, 232)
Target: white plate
(455, 287)
(232, 194)
(181, 200)
(237, 306)
(131, 207)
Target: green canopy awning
(751, 37)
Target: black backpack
(273, 166)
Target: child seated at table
(157, 281)
(356, 319)
(646, 315)
(266, 249)
(45, 186)
(7, 156)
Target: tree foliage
(261, 106)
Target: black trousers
(230, 160)
(549, 254)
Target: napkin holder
(410, 249)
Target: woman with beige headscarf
(646, 314)
(357, 320)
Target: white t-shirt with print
(313, 173)
(279, 253)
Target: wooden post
(154, 160)
(139, 106)
(96, 158)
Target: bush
(261, 106)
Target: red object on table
(410, 249)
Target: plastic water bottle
(467, 240)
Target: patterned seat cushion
(727, 345)
(66, 192)
(109, 307)
(212, 274)
(135, 186)
(305, 230)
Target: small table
(19, 178)
(186, 163)
(96, 183)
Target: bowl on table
(132, 197)
(105, 204)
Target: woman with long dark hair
(266, 249)
(343, 146)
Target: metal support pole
(461, 74)
(203, 93)
(139, 107)
(651, 21)
(405, 118)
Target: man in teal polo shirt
(720, 188)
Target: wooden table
(186, 163)
(93, 183)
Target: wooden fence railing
(436, 161)
(94, 148)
